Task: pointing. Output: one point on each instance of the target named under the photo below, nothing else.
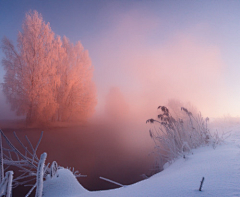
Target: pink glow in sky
(151, 51)
(182, 67)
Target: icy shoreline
(219, 166)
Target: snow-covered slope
(220, 167)
(63, 185)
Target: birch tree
(77, 92)
(47, 79)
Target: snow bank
(220, 167)
(64, 184)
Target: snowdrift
(219, 166)
(64, 184)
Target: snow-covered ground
(64, 184)
(219, 166)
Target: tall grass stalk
(175, 138)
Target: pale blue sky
(120, 35)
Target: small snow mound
(166, 165)
(62, 185)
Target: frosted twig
(26, 150)
(6, 185)
(35, 150)
(114, 182)
(30, 191)
(16, 150)
(40, 174)
(201, 184)
(9, 175)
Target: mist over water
(110, 148)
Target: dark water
(95, 151)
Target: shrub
(177, 137)
(30, 168)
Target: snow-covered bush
(177, 137)
(31, 169)
(25, 161)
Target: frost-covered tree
(47, 79)
(31, 70)
(76, 93)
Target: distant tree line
(47, 78)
